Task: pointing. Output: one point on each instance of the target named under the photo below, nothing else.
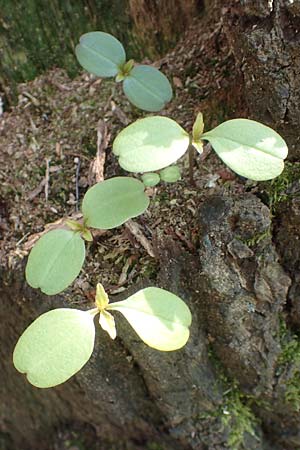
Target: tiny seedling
(56, 260)
(60, 342)
(249, 148)
(103, 55)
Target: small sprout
(150, 179)
(198, 128)
(103, 55)
(249, 148)
(101, 299)
(80, 228)
(60, 342)
(125, 70)
(170, 174)
(150, 144)
(55, 261)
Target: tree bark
(265, 37)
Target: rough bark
(264, 37)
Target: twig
(119, 113)
(37, 190)
(96, 170)
(135, 230)
(77, 162)
(47, 179)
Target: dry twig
(96, 170)
(136, 231)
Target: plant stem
(191, 164)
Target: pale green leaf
(198, 145)
(150, 179)
(87, 235)
(55, 261)
(170, 174)
(107, 323)
(160, 318)
(147, 88)
(101, 299)
(198, 127)
(112, 202)
(55, 346)
(150, 144)
(249, 148)
(100, 53)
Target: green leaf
(112, 202)
(55, 261)
(147, 88)
(125, 70)
(198, 127)
(150, 179)
(100, 53)
(170, 174)
(101, 298)
(150, 144)
(107, 323)
(55, 346)
(160, 318)
(249, 148)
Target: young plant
(60, 342)
(249, 148)
(56, 260)
(103, 55)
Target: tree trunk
(235, 385)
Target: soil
(48, 141)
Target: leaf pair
(249, 148)
(60, 342)
(56, 260)
(170, 174)
(103, 55)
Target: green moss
(154, 446)
(292, 393)
(235, 412)
(257, 238)
(278, 190)
(238, 418)
(290, 355)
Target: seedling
(103, 55)
(56, 260)
(60, 342)
(249, 148)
